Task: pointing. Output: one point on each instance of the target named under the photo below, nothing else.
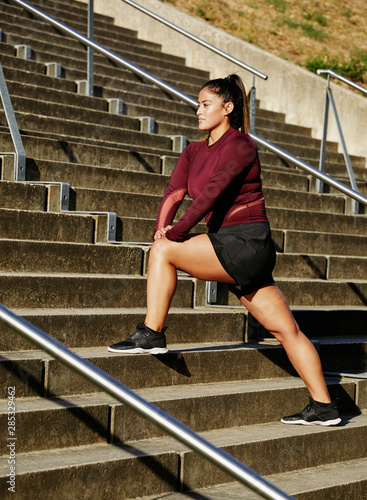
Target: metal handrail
(336, 75)
(189, 100)
(108, 384)
(20, 155)
(310, 169)
(196, 39)
(329, 98)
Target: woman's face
(212, 112)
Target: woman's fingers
(161, 232)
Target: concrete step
(194, 363)
(347, 267)
(156, 145)
(334, 244)
(101, 327)
(68, 258)
(341, 171)
(140, 230)
(23, 195)
(76, 151)
(307, 293)
(339, 480)
(27, 225)
(93, 132)
(87, 176)
(80, 291)
(98, 417)
(21, 82)
(88, 464)
(205, 407)
(301, 220)
(159, 103)
(337, 164)
(293, 137)
(67, 471)
(146, 206)
(22, 256)
(17, 63)
(25, 106)
(312, 154)
(265, 121)
(302, 265)
(96, 327)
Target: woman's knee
(287, 332)
(160, 250)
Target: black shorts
(247, 253)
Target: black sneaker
(315, 414)
(143, 340)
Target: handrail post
(330, 98)
(20, 156)
(355, 204)
(90, 52)
(253, 106)
(319, 183)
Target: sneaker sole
(139, 350)
(336, 421)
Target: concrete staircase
(224, 377)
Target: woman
(222, 175)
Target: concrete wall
(289, 89)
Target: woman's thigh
(195, 256)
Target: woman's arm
(174, 194)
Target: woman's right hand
(161, 232)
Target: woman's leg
(270, 308)
(195, 256)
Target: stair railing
(189, 100)
(329, 98)
(19, 155)
(116, 389)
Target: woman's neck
(216, 134)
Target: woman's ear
(228, 107)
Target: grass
(297, 30)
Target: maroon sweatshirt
(222, 179)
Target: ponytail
(232, 89)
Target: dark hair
(232, 89)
